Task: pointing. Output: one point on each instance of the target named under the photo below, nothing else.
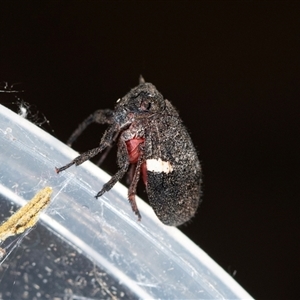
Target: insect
(152, 144)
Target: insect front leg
(106, 141)
(101, 116)
(105, 153)
(123, 164)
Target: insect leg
(101, 116)
(130, 174)
(124, 165)
(133, 185)
(82, 158)
(106, 141)
(103, 155)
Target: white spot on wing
(159, 166)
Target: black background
(231, 69)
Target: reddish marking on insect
(134, 149)
(134, 152)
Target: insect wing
(173, 171)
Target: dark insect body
(153, 142)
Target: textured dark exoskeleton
(153, 142)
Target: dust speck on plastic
(84, 247)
